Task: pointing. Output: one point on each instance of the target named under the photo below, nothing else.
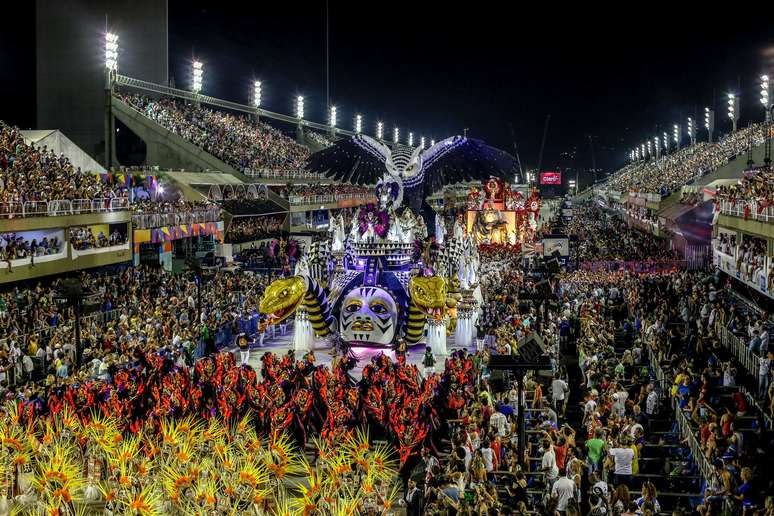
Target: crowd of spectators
(239, 140)
(14, 246)
(754, 192)
(245, 229)
(83, 237)
(692, 198)
(320, 139)
(603, 236)
(335, 190)
(669, 172)
(28, 174)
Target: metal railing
(283, 174)
(737, 209)
(743, 354)
(328, 199)
(11, 210)
(155, 220)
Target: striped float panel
(316, 305)
(415, 324)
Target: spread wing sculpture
(418, 172)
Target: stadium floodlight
(396, 135)
(358, 123)
(411, 139)
(300, 107)
(257, 94)
(650, 149)
(765, 91)
(733, 110)
(332, 118)
(709, 122)
(111, 51)
(380, 130)
(691, 130)
(422, 142)
(676, 135)
(642, 148)
(198, 74)
(657, 146)
(432, 142)
(666, 143)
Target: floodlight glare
(300, 106)
(422, 142)
(379, 130)
(358, 123)
(257, 93)
(198, 73)
(395, 135)
(411, 139)
(111, 51)
(432, 142)
(332, 119)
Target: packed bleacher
(246, 229)
(83, 238)
(249, 146)
(603, 236)
(753, 194)
(670, 172)
(28, 175)
(13, 246)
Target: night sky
(435, 68)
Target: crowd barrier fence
(11, 210)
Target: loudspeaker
(531, 348)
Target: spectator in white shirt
(548, 463)
(499, 422)
(764, 364)
(564, 491)
(624, 456)
(559, 390)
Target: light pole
(396, 135)
(332, 119)
(197, 75)
(691, 132)
(358, 123)
(657, 145)
(765, 96)
(676, 134)
(411, 139)
(111, 69)
(300, 117)
(379, 130)
(709, 122)
(257, 93)
(733, 110)
(666, 143)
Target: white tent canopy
(55, 140)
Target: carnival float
(394, 273)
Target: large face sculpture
(368, 314)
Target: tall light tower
(300, 117)
(733, 110)
(677, 135)
(380, 130)
(691, 130)
(650, 149)
(642, 148)
(257, 94)
(432, 142)
(358, 123)
(709, 122)
(111, 69)
(396, 135)
(765, 96)
(197, 75)
(666, 143)
(422, 142)
(332, 119)
(411, 139)
(657, 146)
